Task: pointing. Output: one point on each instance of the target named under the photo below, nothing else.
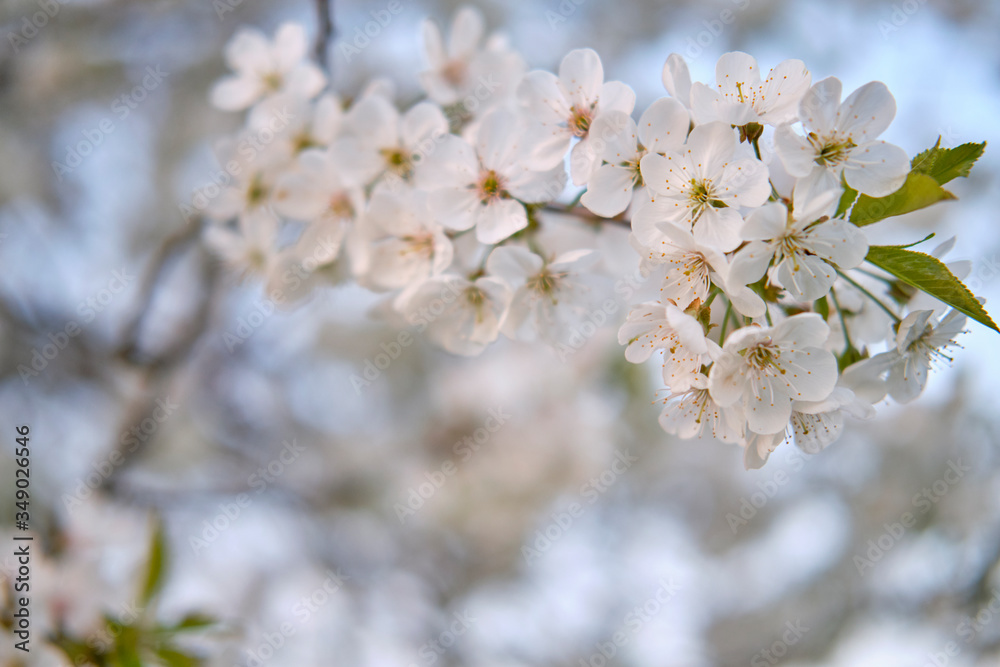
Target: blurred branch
(326, 32)
(158, 266)
(586, 215)
(157, 370)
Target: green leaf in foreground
(929, 275)
(919, 191)
(154, 572)
(174, 658)
(946, 164)
(846, 199)
(190, 622)
(929, 170)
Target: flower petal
(677, 78)
(877, 169)
(609, 191)
(867, 112)
(498, 220)
(664, 126)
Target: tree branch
(586, 215)
(324, 9)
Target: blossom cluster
(737, 194)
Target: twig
(894, 316)
(326, 32)
(158, 370)
(586, 214)
(158, 266)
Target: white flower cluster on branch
(740, 194)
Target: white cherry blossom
(386, 143)
(704, 185)
(247, 247)
(653, 326)
(920, 342)
(813, 426)
(311, 124)
(550, 296)
(740, 96)
(311, 192)
(409, 246)
(263, 68)
(766, 368)
(676, 79)
(486, 186)
(620, 145)
(252, 171)
(692, 413)
(806, 246)
(841, 139)
(463, 316)
(566, 106)
(692, 268)
(465, 72)
(319, 188)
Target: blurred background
(513, 509)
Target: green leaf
(926, 238)
(78, 652)
(189, 622)
(822, 306)
(157, 559)
(127, 647)
(929, 275)
(174, 658)
(846, 199)
(919, 191)
(850, 356)
(946, 164)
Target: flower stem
(895, 318)
(714, 292)
(576, 200)
(843, 320)
(324, 9)
(725, 322)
